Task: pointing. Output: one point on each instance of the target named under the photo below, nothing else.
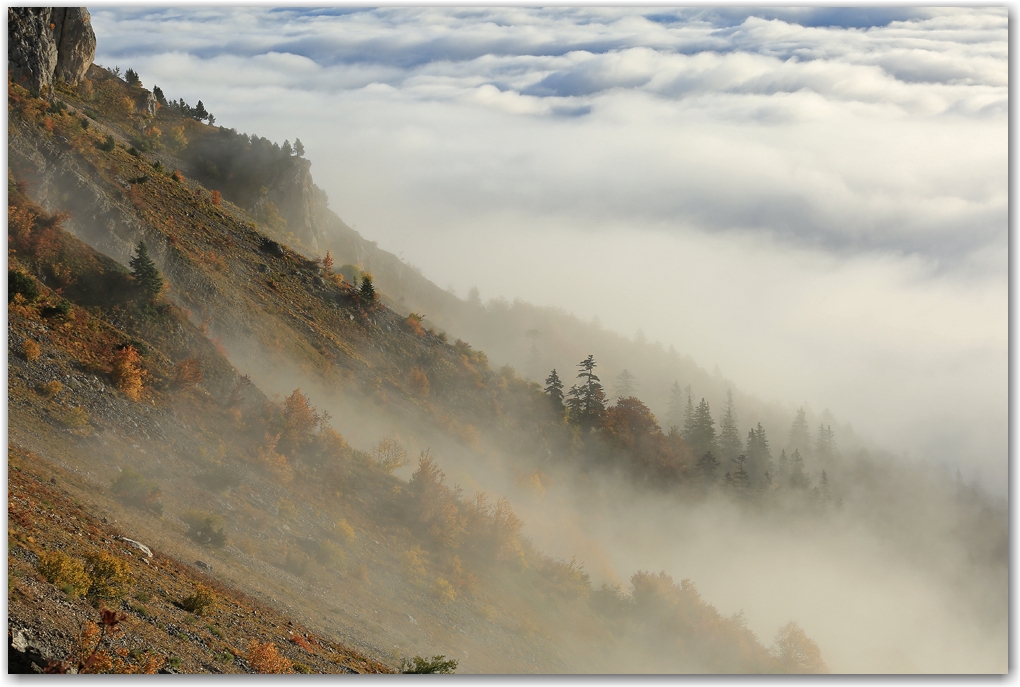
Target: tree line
(691, 450)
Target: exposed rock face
(298, 201)
(147, 103)
(45, 44)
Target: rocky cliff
(47, 44)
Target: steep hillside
(114, 384)
(176, 618)
(235, 397)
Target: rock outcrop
(47, 44)
(147, 103)
(299, 201)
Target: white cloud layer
(814, 199)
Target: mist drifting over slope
(812, 199)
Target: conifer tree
(367, 289)
(798, 479)
(784, 467)
(825, 444)
(800, 434)
(675, 413)
(625, 385)
(199, 112)
(706, 466)
(554, 388)
(587, 403)
(823, 485)
(759, 454)
(729, 438)
(701, 436)
(741, 479)
(287, 150)
(689, 420)
(299, 147)
(146, 273)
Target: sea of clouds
(813, 199)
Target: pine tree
(199, 112)
(759, 454)
(131, 76)
(825, 448)
(146, 273)
(706, 466)
(367, 290)
(587, 403)
(287, 150)
(689, 420)
(800, 435)
(784, 467)
(299, 147)
(625, 385)
(729, 438)
(823, 485)
(702, 433)
(741, 479)
(158, 93)
(798, 479)
(554, 388)
(675, 413)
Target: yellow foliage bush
(176, 142)
(51, 388)
(127, 372)
(413, 324)
(389, 455)
(76, 418)
(111, 577)
(274, 463)
(413, 563)
(31, 350)
(64, 571)
(443, 590)
(266, 658)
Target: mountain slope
(359, 544)
(304, 518)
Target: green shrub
(201, 601)
(61, 309)
(206, 528)
(437, 664)
(135, 490)
(19, 282)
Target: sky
(812, 199)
